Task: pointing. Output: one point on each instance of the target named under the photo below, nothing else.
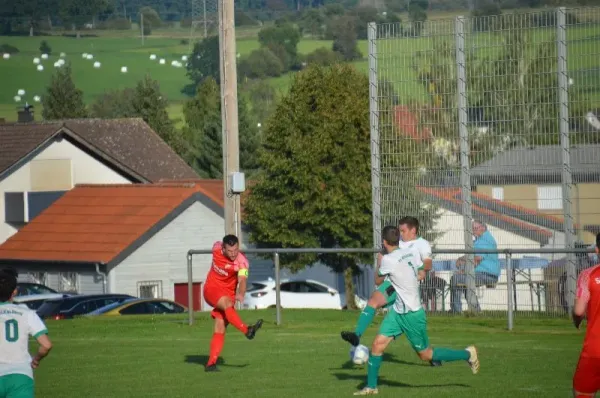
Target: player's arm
(242, 279)
(421, 275)
(582, 297)
(426, 257)
(38, 330)
(383, 270)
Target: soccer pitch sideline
(164, 357)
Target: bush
(7, 48)
(45, 47)
(323, 56)
(118, 23)
(186, 22)
(259, 64)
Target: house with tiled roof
(125, 238)
(40, 161)
(512, 227)
(529, 179)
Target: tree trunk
(349, 284)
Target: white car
(295, 293)
(34, 301)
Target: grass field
(19, 72)
(164, 357)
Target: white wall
(451, 229)
(163, 257)
(85, 170)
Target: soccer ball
(359, 355)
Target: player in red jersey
(228, 271)
(586, 381)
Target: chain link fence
(493, 120)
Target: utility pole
(142, 26)
(229, 115)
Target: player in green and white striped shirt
(407, 316)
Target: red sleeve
(583, 286)
(217, 247)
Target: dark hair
(8, 284)
(391, 235)
(412, 222)
(230, 240)
(12, 271)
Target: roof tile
(130, 143)
(95, 223)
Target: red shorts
(587, 376)
(212, 295)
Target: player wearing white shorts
(16, 325)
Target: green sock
(373, 370)
(448, 355)
(364, 320)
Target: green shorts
(413, 324)
(16, 386)
(388, 292)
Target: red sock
(216, 345)
(232, 317)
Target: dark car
(69, 307)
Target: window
(135, 309)
(149, 289)
(67, 282)
(549, 197)
(498, 193)
(314, 288)
(256, 286)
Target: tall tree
(204, 130)
(149, 104)
(204, 61)
(313, 188)
(63, 100)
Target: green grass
(126, 50)
(163, 357)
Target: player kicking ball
(17, 324)
(406, 316)
(228, 272)
(586, 381)
(385, 295)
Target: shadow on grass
(203, 359)
(390, 358)
(384, 382)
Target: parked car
(34, 301)
(295, 293)
(27, 289)
(69, 307)
(140, 307)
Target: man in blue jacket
(487, 267)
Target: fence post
(567, 178)
(465, 175)
(374, 121)
(277, 289)
(509, 288)
(190, 290)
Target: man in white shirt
(16, 325)
(385, 295)
(401, 268)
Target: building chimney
(26, 114)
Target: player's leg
(414, 325)
(388, 331)
(385, 295)
(586, 380)
(226, 304)
(217, 341)
(18, 386)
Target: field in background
(164, 357)
(115, 49)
